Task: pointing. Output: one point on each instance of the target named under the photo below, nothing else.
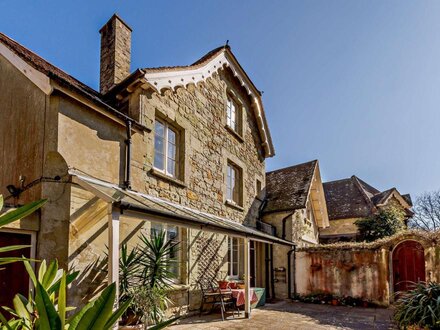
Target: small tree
(426, 211)
(385, 223)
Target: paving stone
(298, 316)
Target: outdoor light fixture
(13, 190)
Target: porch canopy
(151, 208)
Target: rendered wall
(360, 269)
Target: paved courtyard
(294, 315)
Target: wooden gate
(408, 265)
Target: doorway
(14, 277)
(408, 265)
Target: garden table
(239, 296)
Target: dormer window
(166, 148)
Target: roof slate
(61, 77)
(287, 188)
(354, 198)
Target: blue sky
(355, 84)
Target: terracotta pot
(335, 302)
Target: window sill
(234, 205)
(168, 178)
(234, 133)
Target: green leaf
(50, 274)
(164, 324)
(1, 202)
(62, 300)
(117, 314)
(13, 248)
(21, 212)
(31, 272)
(48, 316)
(20, 307)
(69, 279)
(96, 317)
(76, 318)
(4, 322)
(42, 271)
(8, 260)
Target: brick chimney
(115, 53)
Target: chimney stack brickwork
(115, 53)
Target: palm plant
(129, 271)
(156, 260)
(15, 215)
(419, 307)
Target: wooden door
(13, 277)
(408, 265)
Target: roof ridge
(202, 60)
(291, 166)
(363, 193)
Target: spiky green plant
(156, 261)
(129, 271)
(48, 310)
(419, 307)
(12, 216)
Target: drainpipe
(272, 273)
(283, 236)
(127, 183)
(267, 272)
(289, 275)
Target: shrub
(419, 307)
(385, 223)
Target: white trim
(36, 77)
(171, 79)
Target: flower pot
(335, 302)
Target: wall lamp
(13, 190)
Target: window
(233, 181)
(257, 187)
(172, 234)
(165, 148)
(234, 257)
(233, 115)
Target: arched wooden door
(408, 265)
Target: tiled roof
(354, 198)
(61, 77)
(346, 199)
(287, 188)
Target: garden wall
(361, 269)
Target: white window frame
(231, 260)
(233, 183)
(233, 114)
(167, 128)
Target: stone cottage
(349, 200)
(180, 149)
(295, 206)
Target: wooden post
(247, 279)
(113, 248)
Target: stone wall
(360, 269)
(199, 113)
